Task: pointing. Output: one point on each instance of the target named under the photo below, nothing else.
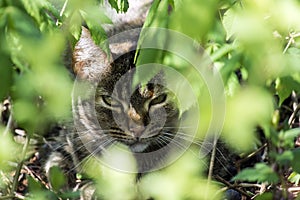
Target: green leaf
(250, 106)
(265, 196)
(194, 19)
(124, 5)
(6, 74)
(296, 161)
(75, 25)
(158, 17)
(291, 134)
(24, 109)
(57, 178)
(33, 8)
(230, 66)
(285, 157)
(285, 86)
(119, 5)
(38, 191)
(34, 185)
(233, 85)
(93, 17)
(158, 14)
(9, 150)
(294, 178)
(224, 51)
(172, 3)
(20, 23)
(70, 195)
(114, 4)
(260, 173)
(228, 21)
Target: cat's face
(144, 118)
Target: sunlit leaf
(158, 17)
(193, 18)
(294, 178)
(245, 110)
(94, 17)
(233, 85)
(285, 86)
(296, 161)
(9, 151)
(260, 173)
(291, 134)
(285, 157)
(33, 8)
(75, 25)
(19, 22)
(265, 196)
(187, 184)
(116, 167)
(6, 74)
(38, 192)
(57, 178)
(119, 5)
(228, 21)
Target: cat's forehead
(126, 90)
(146, 91)
(150, 90)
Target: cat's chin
(138, 147)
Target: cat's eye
(109, 102)
(159, 99)
(107, 99)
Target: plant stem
(223, 51)
(19, 167)
(62, 11)
(291, 38)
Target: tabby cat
(110, 110)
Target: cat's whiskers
(182, 147)
(78, 148)
(100, 148)
(200, 144)
(193, 140)
(181, 127)
(96, 131)
(161, 141)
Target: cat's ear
(89, 60)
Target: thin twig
(252, 154)
(212, 159)
(295, 105)
(291, 38)
(293, 115)
(35, 176)
(62, 11)
(19, 196)
(294, 189)
(234, 187)
(249, 185)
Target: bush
(254, 46)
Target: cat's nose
(136, 130)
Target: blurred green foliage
(258, 39)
